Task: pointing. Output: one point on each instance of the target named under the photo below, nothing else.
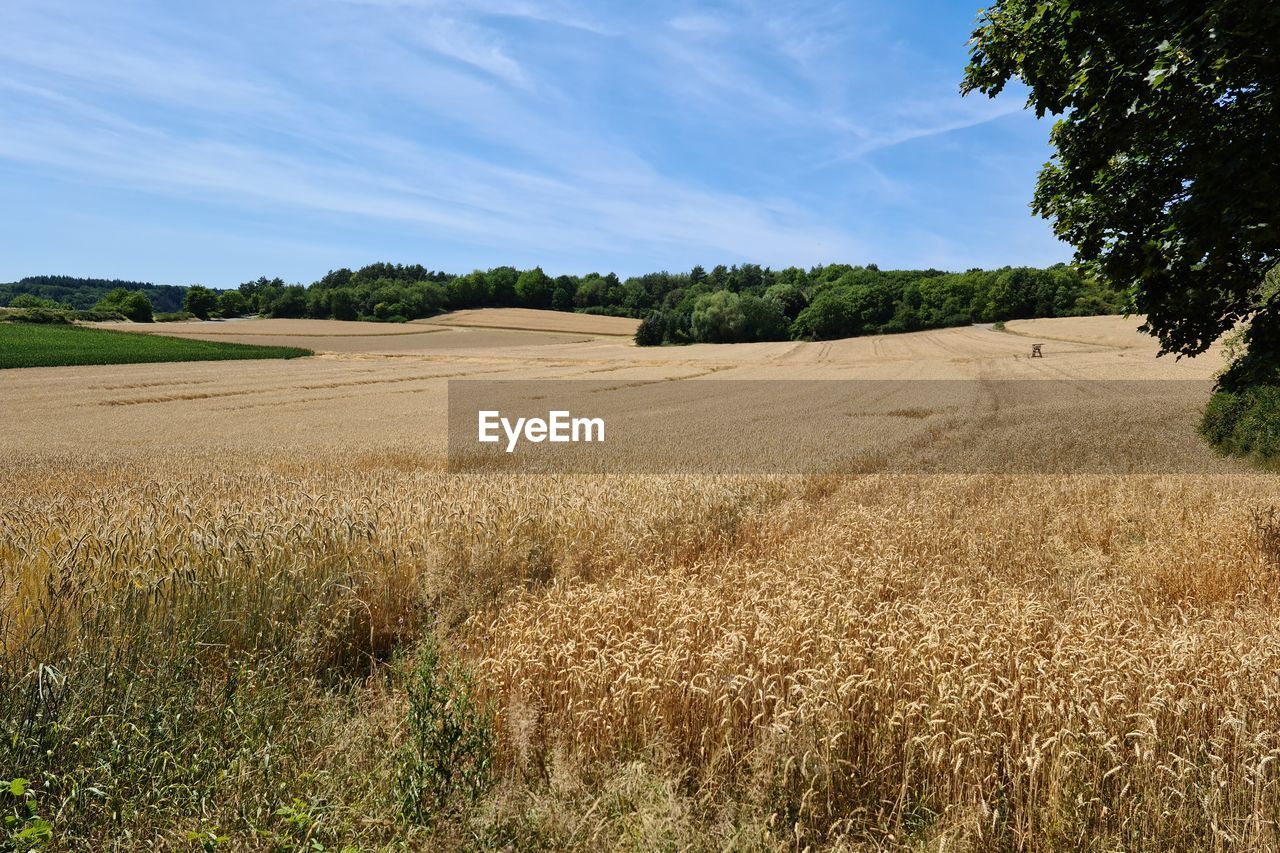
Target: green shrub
(40, 315)
(132, 304)
(97, 315)
(174, 316)
(28, 300)
(1245, 422)
(652, 331)
(446, 763)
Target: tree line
(841, 301)
(83, 294)
(726, 304)
(722, 305)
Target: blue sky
(216, 142)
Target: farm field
(538, 321)
(56, 344)
(377, 387)
(246, 601)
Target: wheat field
(232, 596)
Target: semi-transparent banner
(710, 426)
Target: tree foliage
(28, 300)
(231, 303)
(534, 288)
(1167, 166)
(737, 303)
(200, 301)
(82, 294)
(840, 301)
(131, 304)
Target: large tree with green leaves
(1167, 166)
(133, 304)
(200, 301)
(534, 288)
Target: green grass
(53, 345)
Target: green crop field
(53, 345)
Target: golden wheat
(944, 662)
(1041, 662)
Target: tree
(562, 297)
(1166, 174)
(763, 319)
(232, 304)
(468, 291)
(133, 304)
(502, 285)
(591, 291)
(27, 300)
(200, 301)
(332, 279)
(428, 298)
(318, 302)
(834, 313)
(750, 278)
(254, 291)
(288, 301)
(137, 307)
(534, 288)
(718, 318)
(342, 305)
(1011, 296)
(652, 330)
(790, 298)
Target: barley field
(244, 606)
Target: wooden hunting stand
(1035, 351)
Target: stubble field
(245, 602)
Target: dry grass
(388, 391)
(208, 622)
(1030, 663)
(480, 330)
(947, 662)
(279, 327)
(1080, 347)
(533, 320)
(166, 623)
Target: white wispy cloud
(567, 128)
(470, 45)
(923, 120)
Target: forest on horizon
(726, 304)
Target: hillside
(1103, 347)
(388, 382)
(533, 320)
